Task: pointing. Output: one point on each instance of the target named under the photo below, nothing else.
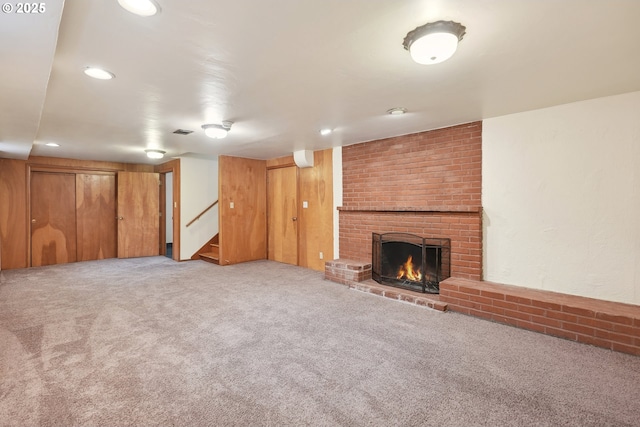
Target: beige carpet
(153, 342)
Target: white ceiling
(284, 69)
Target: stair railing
(202, 213)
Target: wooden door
(96, 216)
(282, 215)
(53, 218)
(138, 214)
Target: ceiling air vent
(182, 132)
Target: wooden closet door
(96, 216)
(53, 218)
(282, 215)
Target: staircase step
(215, 249)
(210, 257)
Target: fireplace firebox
(410, 262)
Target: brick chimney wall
(428, 184)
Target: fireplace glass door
(410, 262)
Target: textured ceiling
(284, 69)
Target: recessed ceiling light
(140, 7)
(396, 111)
(99, 73)
(155, 154)
(52, 144)
(325, 132)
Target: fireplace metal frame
(442, 262)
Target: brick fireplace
(427, 184)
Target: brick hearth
(357, 275)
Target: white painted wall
(561, 198)
(337, 198)
(198, 189)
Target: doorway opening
(169, 198)
(168, 195)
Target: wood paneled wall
(315, 223)
(14, 191)
(280, 162)
(13, 216)
(42, 163)
(243, 228)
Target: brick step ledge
(357, 275)
(417, 298)
(606, 324)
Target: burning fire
(409, 272)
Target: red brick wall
(427, 184)
(435, 170)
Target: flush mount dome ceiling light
(140, 7)
(155, 154)
(99, 73)
(434, 42)
(217, 131)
